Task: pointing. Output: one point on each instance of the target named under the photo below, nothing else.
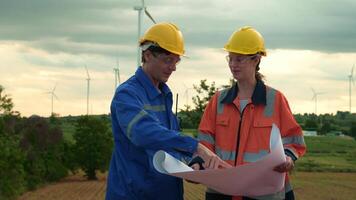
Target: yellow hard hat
(246, 41)
(167, 36)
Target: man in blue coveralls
(143, 123)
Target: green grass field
(331, 153)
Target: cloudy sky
(311, 44)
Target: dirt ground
(316, 186)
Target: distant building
(310, 133)
(335, 133)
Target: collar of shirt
(151, 90)
(258, 96)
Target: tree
(205, 92)
(325, 127)
(353, 129)
(43, 145)
(6, 104)
(93, 145)
(190, 117)
(12, 176)
(12, 181)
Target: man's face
(160, 66)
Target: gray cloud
(106, 24)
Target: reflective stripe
(157, 108)
(291, 150)
(220, 105)
(296, 139)
(134, 120)
(209, 190)
(253, 157)
(288, 187)
(206, 138)
(271, 94)
(225, 155)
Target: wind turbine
(315, 98)
(117, 73)
(351, 79)
(186, 93)
(141, 8)
(52, 95)
(88, 88)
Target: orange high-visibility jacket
(243, 136)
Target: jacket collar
(258, 96)
(150, 89)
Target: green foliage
(43, 146)
(190, 117)
(353, 129)
(93, 145)
(6, 104)
(12, 177)
(327, 124)
(205, 92)
(311, 123)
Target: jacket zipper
(238, 134)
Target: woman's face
(243, 67)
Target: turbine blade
(149, 15)
(55, 96)
(352, 71)
(313, 91)
(54, 88)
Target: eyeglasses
(240, 59)
(168, 60)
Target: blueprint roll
(166, 164)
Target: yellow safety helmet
(167, 36)
(246, 41)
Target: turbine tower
(351, 79)
(88, 88)
(52, 95)
(186, 93)
(315, 98)
(117, 73)
(141, 8)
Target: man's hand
(285, 167)
(211, 160)
(195, 167)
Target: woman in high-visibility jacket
(237, 122)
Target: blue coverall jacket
(143, 123)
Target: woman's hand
(211, 160)
(286, 166)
